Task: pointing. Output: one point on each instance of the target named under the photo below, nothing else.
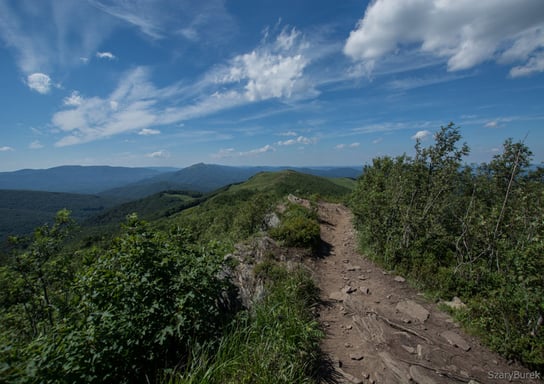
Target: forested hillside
(458, 231)
(22, 211)
(154, 302)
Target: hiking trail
(380, 330)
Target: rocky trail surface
(380, 330)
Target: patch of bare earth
(380, 330)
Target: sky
(268, 82)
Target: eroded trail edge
(380, 330)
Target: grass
(276, 342)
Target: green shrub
(299, 228)
(141, 305)
(277, 342)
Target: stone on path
(413, 309)
(338, 296)
(455, 340)
(419, 376)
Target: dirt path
(379, 330)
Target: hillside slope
(22, 211)
(73, 179)
(209, 177)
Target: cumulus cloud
(105, 55)
(6, 149)
(462, 32)
(149, 132)
(256, 151)
(39, 82)
(421, 135)
(162, 154)
(74, 100)
(299, 140)
(273, 70)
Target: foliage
(477, 233)
(278, 342)
(136, 308)
(22, 211)
(299, 228)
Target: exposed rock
(413, 309)
(456, 303)
(338, 296)
(272, 220)
(400, 279)
(455, 340)
(365, 290)
(399, 370)
(347, 289)
(409, 349)
(420, 376)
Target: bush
(299, 228)
(141, 305)
(278, 342)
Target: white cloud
(492, 124)
(162, 154)
(534, 65)
(345, 146)
(272, 70)
(394, 126)
(39, 82)
(418, 82)
(149, 132)
(421, 135)
(105, 55)
(96, 118)
(35, 145)
(288, 133)
(207, 20)
(74, 100)
(6, 149)
(377, 141)
(462, 32)
(49, 34)
(266, 148)
(299, 140)
(223, 153)
(231, 152)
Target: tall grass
(276, 342)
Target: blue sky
(240, 82)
